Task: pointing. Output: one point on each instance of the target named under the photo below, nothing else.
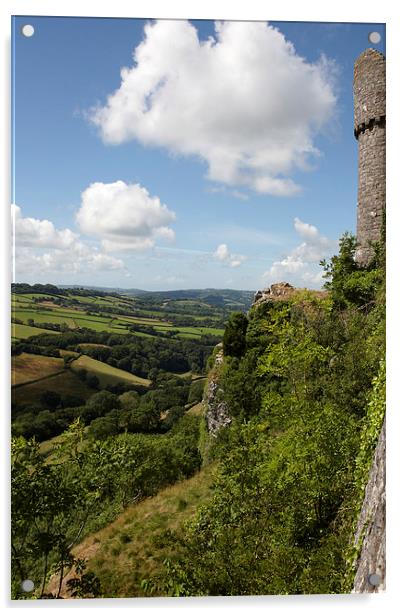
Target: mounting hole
(27, 585)
(28, 30)
(374, 37)
(374, 579)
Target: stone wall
(369, 129)
(370, 532)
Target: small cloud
(124, 216)
(239, 195)
(215, 189)
(301, 265)
(223, 255)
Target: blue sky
(231, 164)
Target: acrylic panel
(198, 308)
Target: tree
(129, 400)
(349, 282)
(49, 513)
(100, 404)
(50, 399)
(93, 381)
(70, 400)
(103, 427)
(234, 338)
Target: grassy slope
(197, 409)
(66, 383)
(133, 547)
(44, 316)
(25, 331)
(27, 367)
(105, 373)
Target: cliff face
(216, 409)
(370, 532)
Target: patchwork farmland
(107, 314)
(69, 345)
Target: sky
(174, 154)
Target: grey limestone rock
(370, 531)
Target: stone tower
(369, 129)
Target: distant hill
(104, 289)
(231, 299)
(223, 298)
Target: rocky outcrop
(217, 414)
(282, 291)
(370, 531)
(275, 291)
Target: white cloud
(306, 231)
(41, 248)
(41, 233)
(239, 195)
(79, 258)
(223, 255)
(301, 265)
(243, 101)
(123, 216)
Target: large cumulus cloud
(243, 101)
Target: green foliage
(49, 510)
(234, 338)
(129, 400)
(350, 283)
(103, 427)
(196, 391)
(294, 462)
(370, 432)
(83, 487)
(372, 426)
(50, 399)
(304, 380)
(87, 585)
(240, 383)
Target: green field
(107, 375)
(142, 320)
(18, 297)
(31, 296)
(42, 317)
(25, 331)
(75, 316)
(160, 314)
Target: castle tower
(369, 129)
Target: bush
(100, 404)
(50, 399)
(196, 391)
(102, 427)
(234, 338)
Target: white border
(387, 11)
